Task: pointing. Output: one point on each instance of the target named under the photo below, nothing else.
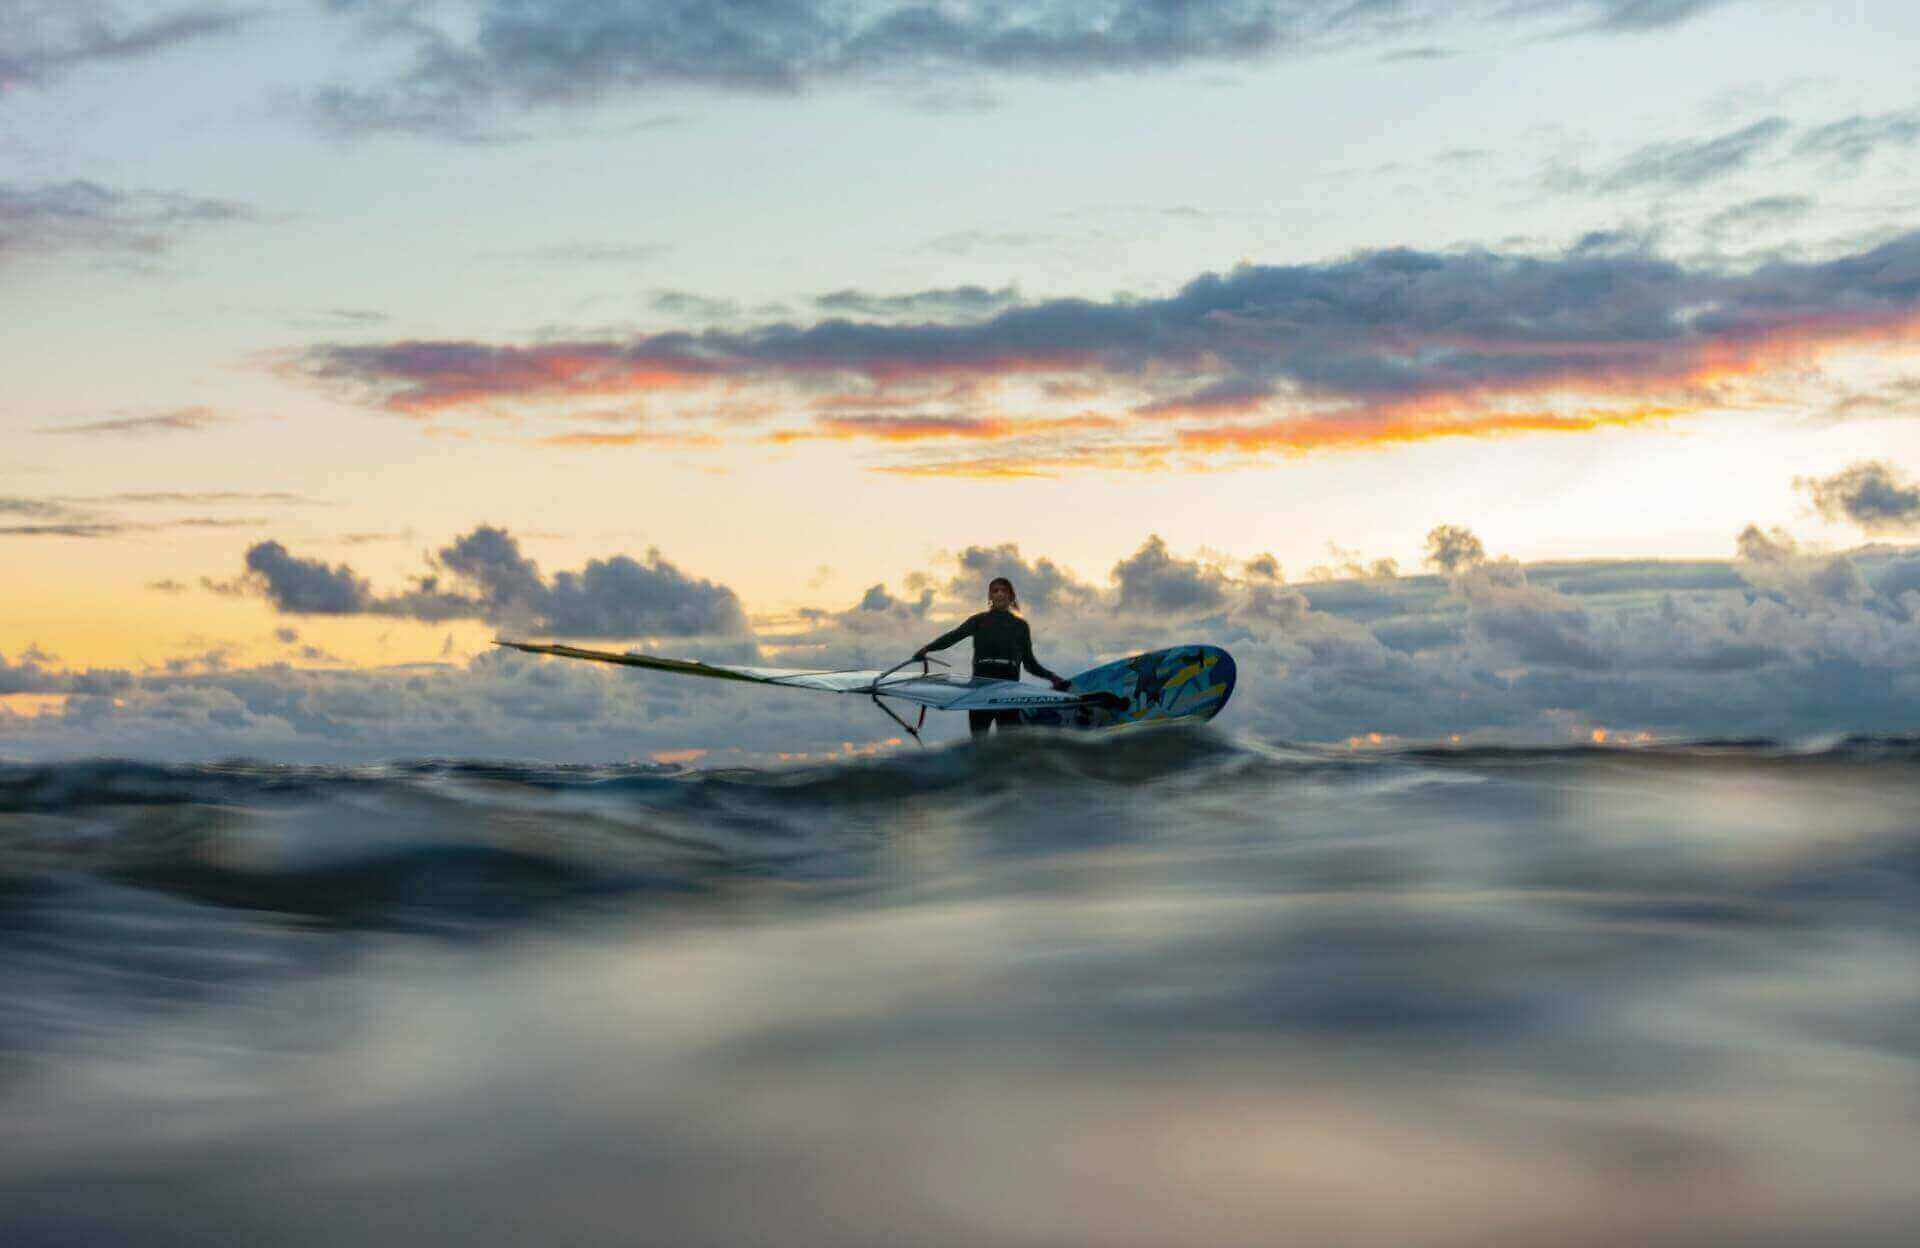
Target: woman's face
(999, 596)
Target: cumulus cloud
(1778, 641)
(1381, 348)
(307, 586)
(1152, 580)
(35, 673)
(478, 58)
(1764, 547)
(1350, 565)
(1531, 624)
(1042, 584)
(1872, 494)
(1774, 563)
(484, 575)
(1453, 549)
(877, 631)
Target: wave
(1038, 760)
(436, 840)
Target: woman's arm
(946, 639)
(1032, 664)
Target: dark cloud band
(522, 54)
(1384, 346)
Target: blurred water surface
(1169, 988)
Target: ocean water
(1170, 988)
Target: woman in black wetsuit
(1002, 645)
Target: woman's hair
(1011, 591)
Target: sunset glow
(327, 373)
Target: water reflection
(1206, 993)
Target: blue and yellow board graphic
(1185, 682)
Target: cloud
(1152, 580)
(1760, 213)
(1454, 549)
(1756, 546)
(1777, 642)
(1349, 565)
(68, 528)
(1851, 140)
(1638, 16)
(601, 253)
(77, 216)
(201, 497)
(34, 674)
(483, 575)
(474, 61)
(1773, 563)
(41, 41)
(1264, 568)
(1679, 165)
(897, 428)
(967, 242)
(366, 539)
(1378, 349)
(692, 307)
(80, 516)
(1509, 652)
(955, 303)
(1528, 623)
(33, 508)
(186, 419)
(1872, 494)
(1042, 584)
(307, 586)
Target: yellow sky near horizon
(1675, 490)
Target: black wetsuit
(1002, 645)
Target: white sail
(939, 691)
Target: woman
(1002, 644)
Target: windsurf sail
(926, 688)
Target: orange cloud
(539, 373)
(925, 428)
(895, 429)
(1299, 435)
(1046, 464)
(1377, 349)
(632, 437)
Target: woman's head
(1000, 593)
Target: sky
(1504, 370)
